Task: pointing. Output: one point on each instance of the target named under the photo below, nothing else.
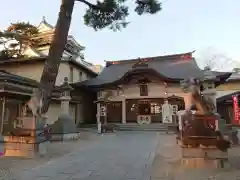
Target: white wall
(155, 90)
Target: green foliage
(15, 38)
(113, 13)
(22, 28)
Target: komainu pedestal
(201, 144)
(200, 130)
(204, 157)
(27, 140)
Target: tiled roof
(234, 77)
(226, 95)
(173, 67)
(6, 76)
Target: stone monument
(64, 128)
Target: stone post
(124, 111)
(98, 112)
(98, 116)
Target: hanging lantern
(165, 90)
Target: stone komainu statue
(200, 128)
(202, 104)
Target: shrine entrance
(149, 110)
(114, 112)
(144, 110)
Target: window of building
(155, 108)
(71, 75)
(80, 76)
(99, 94)
(143, 90)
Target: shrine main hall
(146, 90)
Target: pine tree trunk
(57, 47)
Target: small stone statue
(204, 105)
(35, 105)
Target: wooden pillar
(124, 111)
(3, 113)
(78, 118)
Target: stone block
(209, 153)
(23, 146)
(71, 136)
(65, 137)
(43, 148)
(204, 163)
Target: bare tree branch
(212, 59)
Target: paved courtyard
(167, 166)
(124, 156)
(120, 156)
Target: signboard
(235, 110)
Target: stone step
(142, 130)
(143, 127)
(137, 127)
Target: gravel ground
(167, 166)
(9, 166)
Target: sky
(181, 26)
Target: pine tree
(107, 13)
(15, 38)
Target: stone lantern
(65, 128)
(65, 97)
(208, 86)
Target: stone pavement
(10, 166)
(120, 156)
(166, 165)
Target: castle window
(71, 75)
(80, 76)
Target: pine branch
(90, 5)
(113, 13)
(14, 37)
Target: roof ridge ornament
(141, 63)
(44, 19)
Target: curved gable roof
(172, 67)
(178, 66)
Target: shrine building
(146, 90)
